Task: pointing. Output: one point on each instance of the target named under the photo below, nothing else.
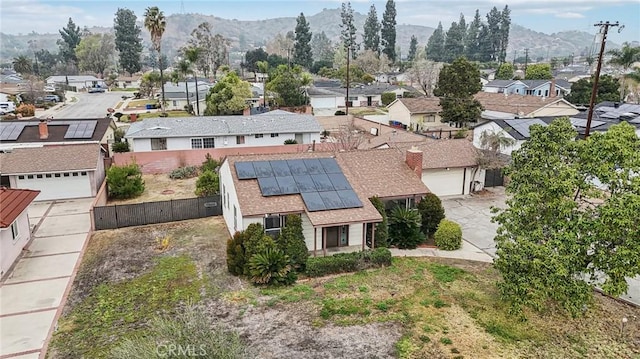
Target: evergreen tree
(302, 45)
(388, 31)
(413, 48)
(472, 45)
(484, 45)
(128, 40)
(321, 47)
(454, 42)
(494, 18)
(457, 84)
(435, 45)
(372, 31)
(71, 36)
(348, 32)
(252, 57)
(505, 24)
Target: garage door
(57, 185)
(323, 102)
(444, 182)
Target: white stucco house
(420, 113)
(15, 231)
(79, 81)
(184, 133)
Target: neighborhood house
(15, 230)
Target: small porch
(343, 238)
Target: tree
(208, 184)
(371, 38)
(228, 96)
(624, 58)
(252, 57)
(348, 32)
(214, 49)
(156, 23)
(505, 71)
(22, 65)
(124, 181)
(381, 238)
(404, 228)
(472, 38)
(46, 62)
(94, 53)
(184, 69)
(425, 73)
(455, 40)
(291, 242)
(571, 220)
(371, 63)
(281, 45)
(149, 82)
(413, 48)
(388, 31)
(70, 39)
(494, 18)
(321, 47)
(495, 141)
(431, 213)
(288, 83)
(128, 41)
(538, 72)
(192, 55)
(505, 24)
(581, 90)
(457, 83)
(435, 45)
(302, 46)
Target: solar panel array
(319, 181)
(10, 131)
(581, 122)
(522, 125)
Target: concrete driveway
(32, 294)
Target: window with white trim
(205, 142)
(158, 144)
(14, 230)
(259, 135)
(275, 135)
(239, 140)
(273, 224)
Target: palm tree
(156, 23)
(624, 58)
(263, 67)
(184, 68)
(494, 141)
(192, 54)
(22, 65)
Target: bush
(184, 172)
(120, 147)
(255, 241)
(236, 259)
(431, 213)
(26, 110)
(388, 97)
(208, 184)
(404, 228)
(340, 113)
(462, 133)
(209, 164)
(382, 228)
(125, 181)
(290, 141)
(271, 266)
(291, 242)
(348, 262)
(448, 237)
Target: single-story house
(420, 113)
(57, 171)
(606, 114)
(497, 105)
(514, 129)
(128, 81)
(541, 88)
(505, 86)
(359, 96)
(183, 133)
(15, 229)
(329, 191)
(79, 81)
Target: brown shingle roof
(515, 104)
(57, 131)
(50, 159)
(422, 104)
(13, 202)
(445, 153)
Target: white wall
(398, 112)
(228, 190)
(10, 249)
(492, 126)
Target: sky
(548, 16)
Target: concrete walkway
(33, 294)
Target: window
(30, 176)
(66, 174)
(14, 230)
(259, 135)
(20, 177)
(75, 174)
(57, 175)
(546, 92)
(175, 103)
(83, 173)
(273, 223)
(38, 176)
(353, 98)
(196, 143)
(224, 195)
(429, 118)
(239, 140)
(227, 199)
(158, 144)
(275, 135)
(48, 175)
(209, 142)
(539, 92)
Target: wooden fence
(138, 214)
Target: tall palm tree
(156, 23)
(192, 54)
(184, 68)
(624, 58)
(22, 65)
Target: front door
(369, 102)
(337, 236)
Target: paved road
(88, 105)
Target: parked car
(96, 89)
(49, 89)
(7, 107)
(51, 98)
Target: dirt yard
(416, 308)
(162, 188)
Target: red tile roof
(13, 202)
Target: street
(88, 105)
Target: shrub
(404, 228)
(209, 164)
(388, 97)
(431, 213)
(125, 181)
(26, 110)
(182, 331)
(380, 257)
(184, 172)
(271, 266)
(340, 113)
(290, 141)
(236, 259)
(208, 184)
(382, 228)
(120, 147)
(291, 242)
(348, 262)
(255, 241)
(448, 237)
(462, 133)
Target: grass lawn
(416, 308)
(156, 184)
(140, 103)
(142, 116)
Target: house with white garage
(80, 82)
(359, 96)
(15, 229)
(419, 113)
(505, 86)
(57, 171)
(185, 133)
(329, 191)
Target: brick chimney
(43, 129)
(414, 161)
(552, 88)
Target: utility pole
(346, 102)
(515, 54)
(604, 28)
(526, 60)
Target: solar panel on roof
(245, 170)
(305, 183)
(339, 181)
(297, 167)
(522, 126)
(313, 166)
(280, 168)
(15, 133)
(322, 182)
(581, 122)
(269, 186)
(330, 165)
(313, 202)
(331, 200)
(349, 198)
(263, 169)
(287, 185)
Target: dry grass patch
(162, 188)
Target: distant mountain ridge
(258, 32)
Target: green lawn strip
(113, 312)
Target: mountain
(247, 34)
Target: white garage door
(57, 185)
(323, 102)
(444, 182)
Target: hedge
(448, 236)
(348, 262)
